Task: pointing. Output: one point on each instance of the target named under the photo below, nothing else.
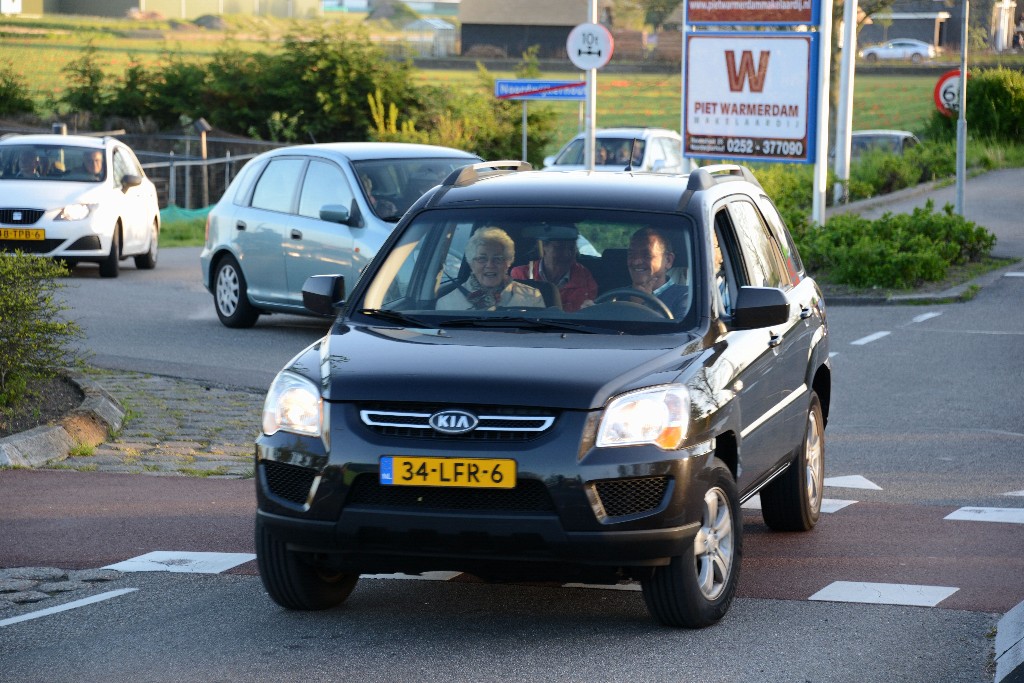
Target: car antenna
(632, 151)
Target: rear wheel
(871, 57)
(792, 501)
(111, 265)
(230, 296)
(916, 58)
(293, 580)
(697, 587)
(147, 261)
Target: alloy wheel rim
(713, 547)
(813, 462)
(227, 290)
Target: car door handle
(296, 234)
(805, 312)
(240, 225)
(774, 340)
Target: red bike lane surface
(80, 520)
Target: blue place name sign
(540, 90)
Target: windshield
(52, 162)
(391, 186)
(607, 152)
(523, 268)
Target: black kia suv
(474, 410)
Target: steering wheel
(649, 300)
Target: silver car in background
(310, 210)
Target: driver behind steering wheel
(649, 259)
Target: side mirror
(335, 213)
(130, 180)
(324, 294)
(760, 307)
(549, 161)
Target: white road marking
(884, 593)
(925, 316)
(425, 576)
(1013, 274)
(182, 562)
(870, 338)
(1009, 515)
(1014, 493)
(852, 481)
(833, 354)
(65, 607)
(828, 505)
(606, 586)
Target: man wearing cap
(557, 265)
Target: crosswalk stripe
(183, 562)
(884, 593)
(1010, 515)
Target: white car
(651, 150)
(916, 51)
(77, 198)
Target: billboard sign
(751, 96)
(760, 12)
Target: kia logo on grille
(453, 421)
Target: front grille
(501, 423)
(529, 495)
(290, 482)
(20, 216)
(621, 497)
(30, 246)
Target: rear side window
(324, 184)
(276, 188)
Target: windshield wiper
(395, 317)
(519, 322)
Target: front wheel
(111, 265)
(792, 501)
(230, 296)
(147, 261)
(292, 579)
(697, 587)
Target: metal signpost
(590, 47)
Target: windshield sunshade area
(539, 269)
(52, 162)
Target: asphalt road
(925, 492)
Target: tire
(916, 58)
(871, 57)
(147, 261)
(111, 265)
(697, 587)
(792, 501)
(230, 296)
(293, 581)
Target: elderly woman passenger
(490, 252)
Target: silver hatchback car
(310, 210)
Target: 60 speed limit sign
(947, 93)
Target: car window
(276, 188)
(121, 167)
(395, 184)
(572, 155)
(782, 238)
(673, 152)
(428, 272)
(761, 254)
(324, 184)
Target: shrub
(895, 251)
(34, 340)
(995, 107)
(14, 97)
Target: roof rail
(468, 175)
(731, 172)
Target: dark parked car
(455, 419)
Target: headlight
(659, 416)
(293, 405)
(75, 212)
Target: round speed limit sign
(947, 93)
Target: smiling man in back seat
(557, 265)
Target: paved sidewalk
(174, 427)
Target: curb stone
(91, 424)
